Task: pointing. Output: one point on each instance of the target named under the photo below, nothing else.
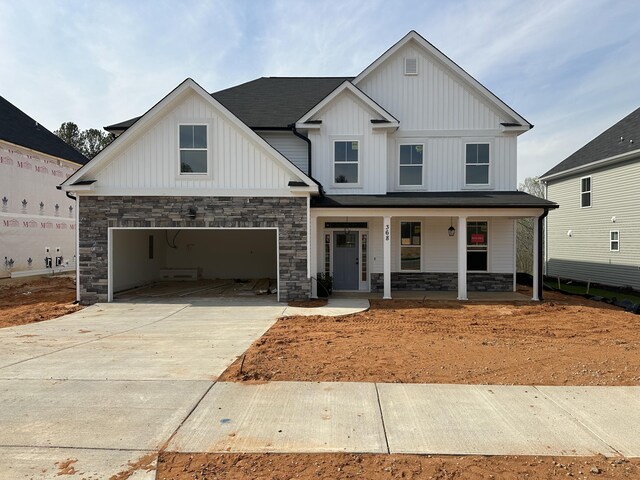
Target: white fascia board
(589, 166)
(359, 94)
(77, 188)
(454, 67)
(157, 110)
(519, 212)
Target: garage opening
(192, 261)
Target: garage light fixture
(192, 212)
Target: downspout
(539, 247)
(306, 139)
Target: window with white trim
(614, 241)
(411, 162)
(345, 161)
(193, 150)
(585, 192)
(410, 245)
(477, 163)
(477, 246)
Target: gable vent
(410, 66)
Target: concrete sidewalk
(296, 417)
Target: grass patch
(579, 288)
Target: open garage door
(182, 262)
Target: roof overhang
(307, 122)
(593, 165)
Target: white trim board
(110, 249)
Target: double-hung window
(477, 246)
(410, 245)
(411, 161)
(193, 149)
(585, 192)
(614, 241)
(345, 162)
(477, 164)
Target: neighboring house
(401, 178)
(596, 235)
(37, 221)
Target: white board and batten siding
(150, 163)
(586, 255)
(289, 145)
(439, 109)
(347, 118)
(439, 250)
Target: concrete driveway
(99, 389)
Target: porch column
(462, 258)
(386, 257)
(313, 255)
(536, 260)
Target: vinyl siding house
(596, 235)
(401, 178)
(37, 221)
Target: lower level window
(614, 240)
(410, 245)
(477, 246)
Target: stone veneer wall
(419, 281)
(98, 213)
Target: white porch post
(536, 263)
(462, 258)
(386, 257)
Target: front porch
(434, 253)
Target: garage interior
(186, 262)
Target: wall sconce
(570, 233)
(613, 219)
(451, 230)
(191, 213)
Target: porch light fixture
(451, 230)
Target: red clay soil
(183, 466)
(562, 341)
(34, 299)
(315, 303)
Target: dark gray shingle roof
(20, 129)
(434, 200)
(605, 145)
(269, 102)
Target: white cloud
(570, 66)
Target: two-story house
(401, 178)
(37, 221)
(595, 237)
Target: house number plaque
(387, 235)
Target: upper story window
(411, 161)
(345, 161)
(585, 192)
(477, 246)
(193, 149)
(614, 241)
(477, 164)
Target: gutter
(540, 252)
(59, 187)
(592, 165)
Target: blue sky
(572, 68)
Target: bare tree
(524, 228)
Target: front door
(345, 261)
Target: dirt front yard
(562, 341)
(34, 299)
(185, 466)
